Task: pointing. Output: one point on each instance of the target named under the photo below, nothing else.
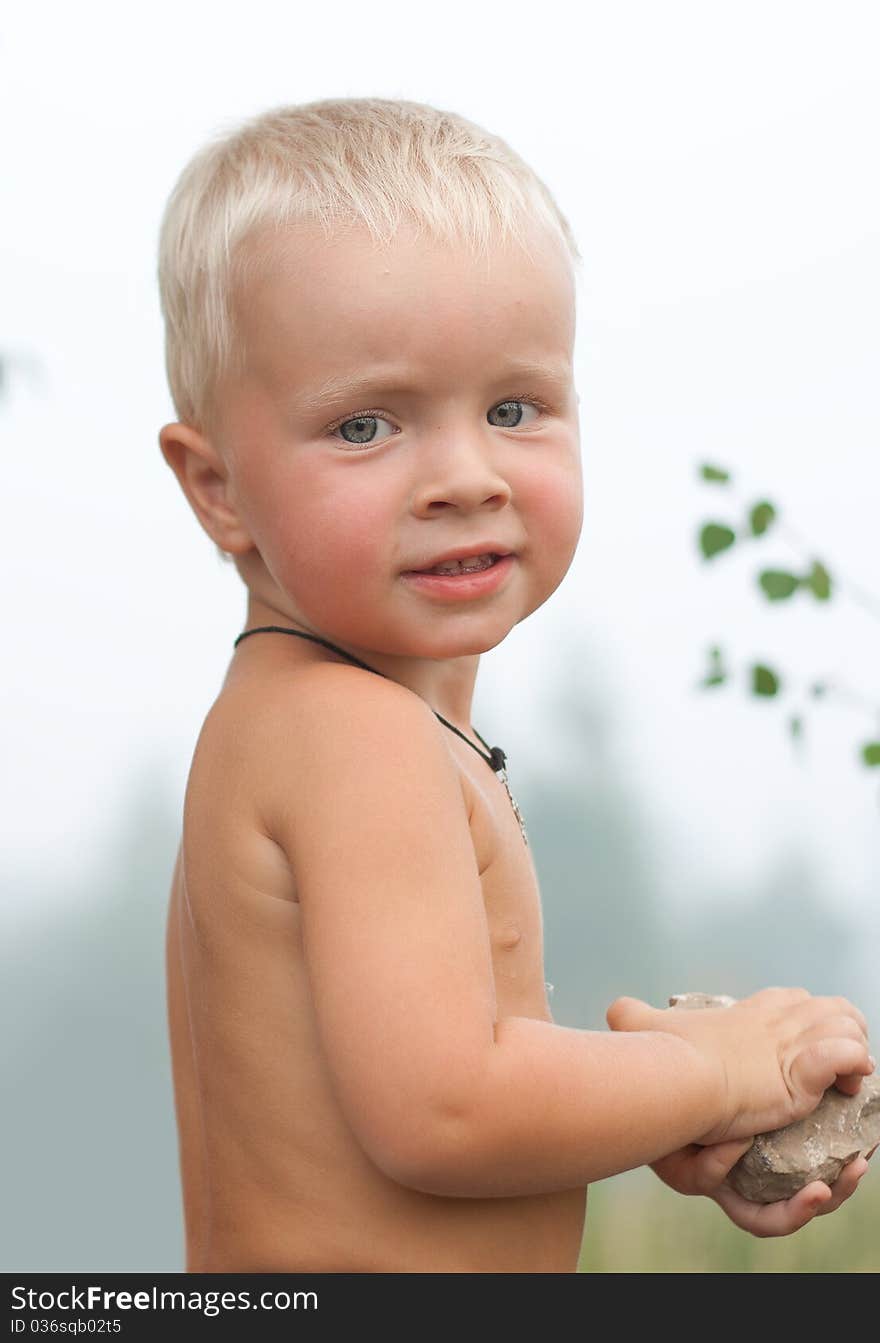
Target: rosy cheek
(362, 523)
(555, 507)
(327, 527)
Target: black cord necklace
(496, 757)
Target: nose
(458, 473)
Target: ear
(204, 479)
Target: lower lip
(462, 587)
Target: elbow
(440, 1169)
(431, 1157)
(422, 1133)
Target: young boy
(370, 320)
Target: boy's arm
(365, 799)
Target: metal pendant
(502, 774)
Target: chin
(463, 645)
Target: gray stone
(701, 1000)
(818, 1147)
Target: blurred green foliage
(777, 585)
(636, 1224)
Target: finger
(676, 1169)
(828, 1010)
(700, 1170)
(818, 1065)
(630, 1014)
(845, 1185)
(827, 1026)
(850, 1084)
(844, 1006)
(773, 1219)
(713, 1164)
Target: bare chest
(511, 894)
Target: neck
(447, 685)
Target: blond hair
(338, 161)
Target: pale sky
(718, 166)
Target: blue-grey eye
(510, 413)
(364, 429)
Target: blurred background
(718, 166)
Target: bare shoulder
(338, 698)
(275, 744)
(340, 737)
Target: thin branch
(866, 600)
(831, 690)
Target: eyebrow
(340, 388)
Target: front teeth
(472, 565)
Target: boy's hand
(773, 1055)
(703, 1170)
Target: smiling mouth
(462, 580)
(474, 564)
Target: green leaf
(714, 538)
(761, 517)
(764, 681)
(715, 473)
(778, 584)
(819, 582)
(796, 727)
(871, 753)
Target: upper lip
(463, 553)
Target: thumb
(718, 1160)
(703, 1170)
(630, 1014)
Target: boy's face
(441, 446)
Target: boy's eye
(510, 413)
(361, 429)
